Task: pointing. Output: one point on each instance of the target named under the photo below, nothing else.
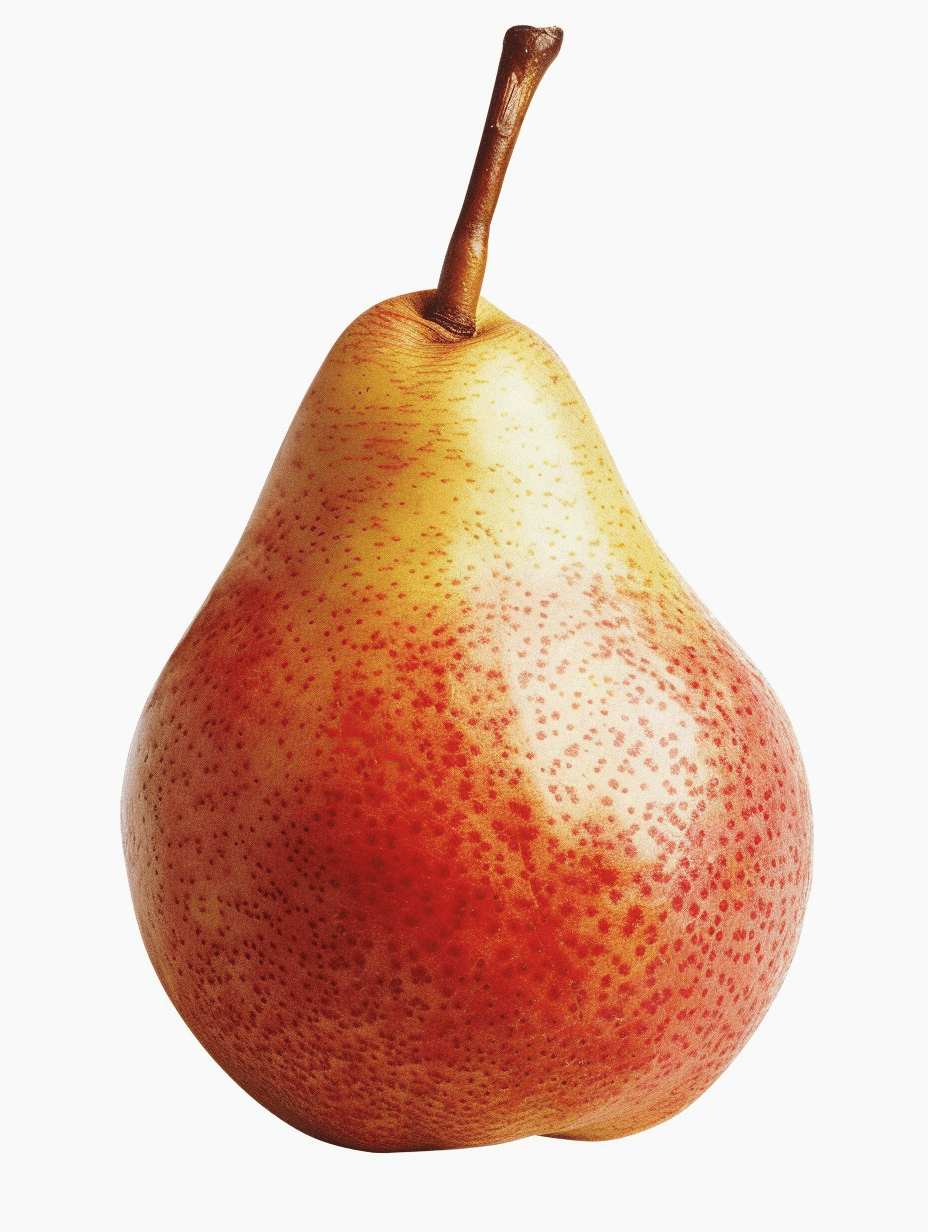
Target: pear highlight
(455, 817)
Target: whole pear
(455, 817)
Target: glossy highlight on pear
(455, 817)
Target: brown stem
(527, 52)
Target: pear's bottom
(406, 1138)
(440, 1125)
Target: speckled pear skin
(455, 817)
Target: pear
(455, 817)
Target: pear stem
(527, 52)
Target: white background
(717, 215)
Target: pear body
(455, 817)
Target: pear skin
(455, 816)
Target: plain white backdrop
(717, 216)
